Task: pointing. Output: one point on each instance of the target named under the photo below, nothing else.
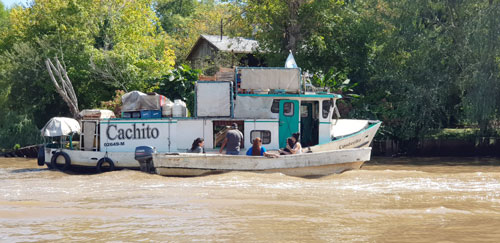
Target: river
(388, 200)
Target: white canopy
(270, 78)
(60, 126)
(213, 99)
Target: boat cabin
(270, 103)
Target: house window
(264, 135)
(326, 108)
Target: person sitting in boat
(197, 146)
(295, 147)
(232, 141)
(258, 150)
(289, 143)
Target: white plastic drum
(179, 109)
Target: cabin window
(326, 108)
(288, 109)
(275, 108)
(264, 135)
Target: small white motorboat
(311, 164)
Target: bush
(18, 131)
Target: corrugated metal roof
(235, 44)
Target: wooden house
(237, 51)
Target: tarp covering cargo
(213, 99)
(137, 101)
(97, 114)
(287, 79)
(254, 107)
(60, 126)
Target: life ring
(101, 165)
(41, 155)
(61, 167)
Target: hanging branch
(63, 85)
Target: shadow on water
(445, 161)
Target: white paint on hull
(90, 158)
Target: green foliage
(17, 130)
(455, 133)
(104, 45)
(179, 83)
(175, 13)
(413, 88)
(115, 104)
(335, 82)
(185, 20)
(480, 79)
(4, 16)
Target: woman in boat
(293, 145)
(297, 147)
(197, 146)
(258, 150)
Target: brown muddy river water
(431, 200)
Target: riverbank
(469, 147)
(436, 160)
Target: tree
(480, 79)
(132, 49)
(185, 20)
(63, 85)
(4, 16)
(106, 44)
(413, 88)
(103, 45)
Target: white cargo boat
(269, 103)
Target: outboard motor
(144, 154)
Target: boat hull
(302, 165)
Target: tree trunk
(292, 28)
(63, 86)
